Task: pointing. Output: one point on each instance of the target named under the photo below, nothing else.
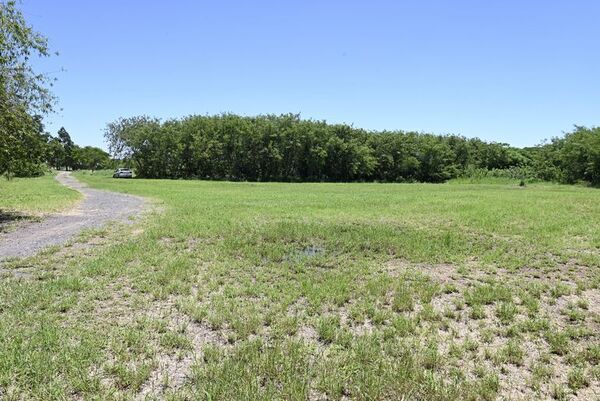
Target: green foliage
(571, 159)
(61, 152)
(25, 149)
(580, 155)
(511, 174)
(68, 148)
(287, 148)
(24, 94)
(90, 158)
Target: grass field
(266, 291)
(35, 195)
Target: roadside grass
(261, 291)
(35, 195)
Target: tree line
(570, 159)
(288, 148)
(63, 153)
(45, 151)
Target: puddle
(311, 251)
(304, 253)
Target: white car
(123, 173)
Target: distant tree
(580, 155)
(91, 158)
(55, 153)
(23, 92)
(545, 160)
(139, 140)
(436, 160)
(68, 148)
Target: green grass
(260, 291)
(35, 195)
(487, 181)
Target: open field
(262, 291)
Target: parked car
(123, 173)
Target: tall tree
(68, 148)
(23, 92)
(55, 153)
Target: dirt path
(96, 209)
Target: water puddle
(311, 251)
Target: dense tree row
(38, 150)
(287, 148)
(61, 152)
(570, 159)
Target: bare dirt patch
(174, 367)
(538, 349)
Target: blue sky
(507, 71)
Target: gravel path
(96, 209)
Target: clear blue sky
(508, 71)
